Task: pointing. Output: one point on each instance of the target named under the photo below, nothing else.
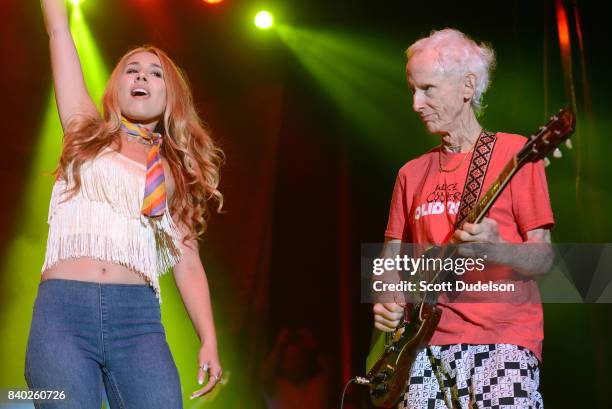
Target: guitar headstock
(558, 129)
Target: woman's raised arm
(70, 89)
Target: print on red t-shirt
(423, 209)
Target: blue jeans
(88, 336)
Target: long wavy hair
(193, 157)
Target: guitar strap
(479, 164)
(476, 174)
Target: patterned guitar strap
(476, 174)
(479, 163)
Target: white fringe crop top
(103, 220)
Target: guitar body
(389, 374)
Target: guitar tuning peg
(568, 143)
(557, 153)
(546, 162)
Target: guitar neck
(492, 194)
(548, 137)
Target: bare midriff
(92, 270)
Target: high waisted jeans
(86, 336)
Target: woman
(129, 203)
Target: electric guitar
(391, 357)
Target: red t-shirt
(423, 210)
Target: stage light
(264, 20)
(212, 1)
(25, 250)
(76, 2)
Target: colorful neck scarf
(154, 203)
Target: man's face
(437, 96)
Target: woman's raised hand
(70, 90)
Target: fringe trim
(111, 178)
(103, 221)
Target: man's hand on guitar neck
(533, 257)
(387, 316)
(487, 231)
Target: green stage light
(76, 2)
(264, 20)
(366, 80)
(23, 257)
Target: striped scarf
(154, 203)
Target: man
(482, 354)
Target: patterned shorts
(497, 376)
